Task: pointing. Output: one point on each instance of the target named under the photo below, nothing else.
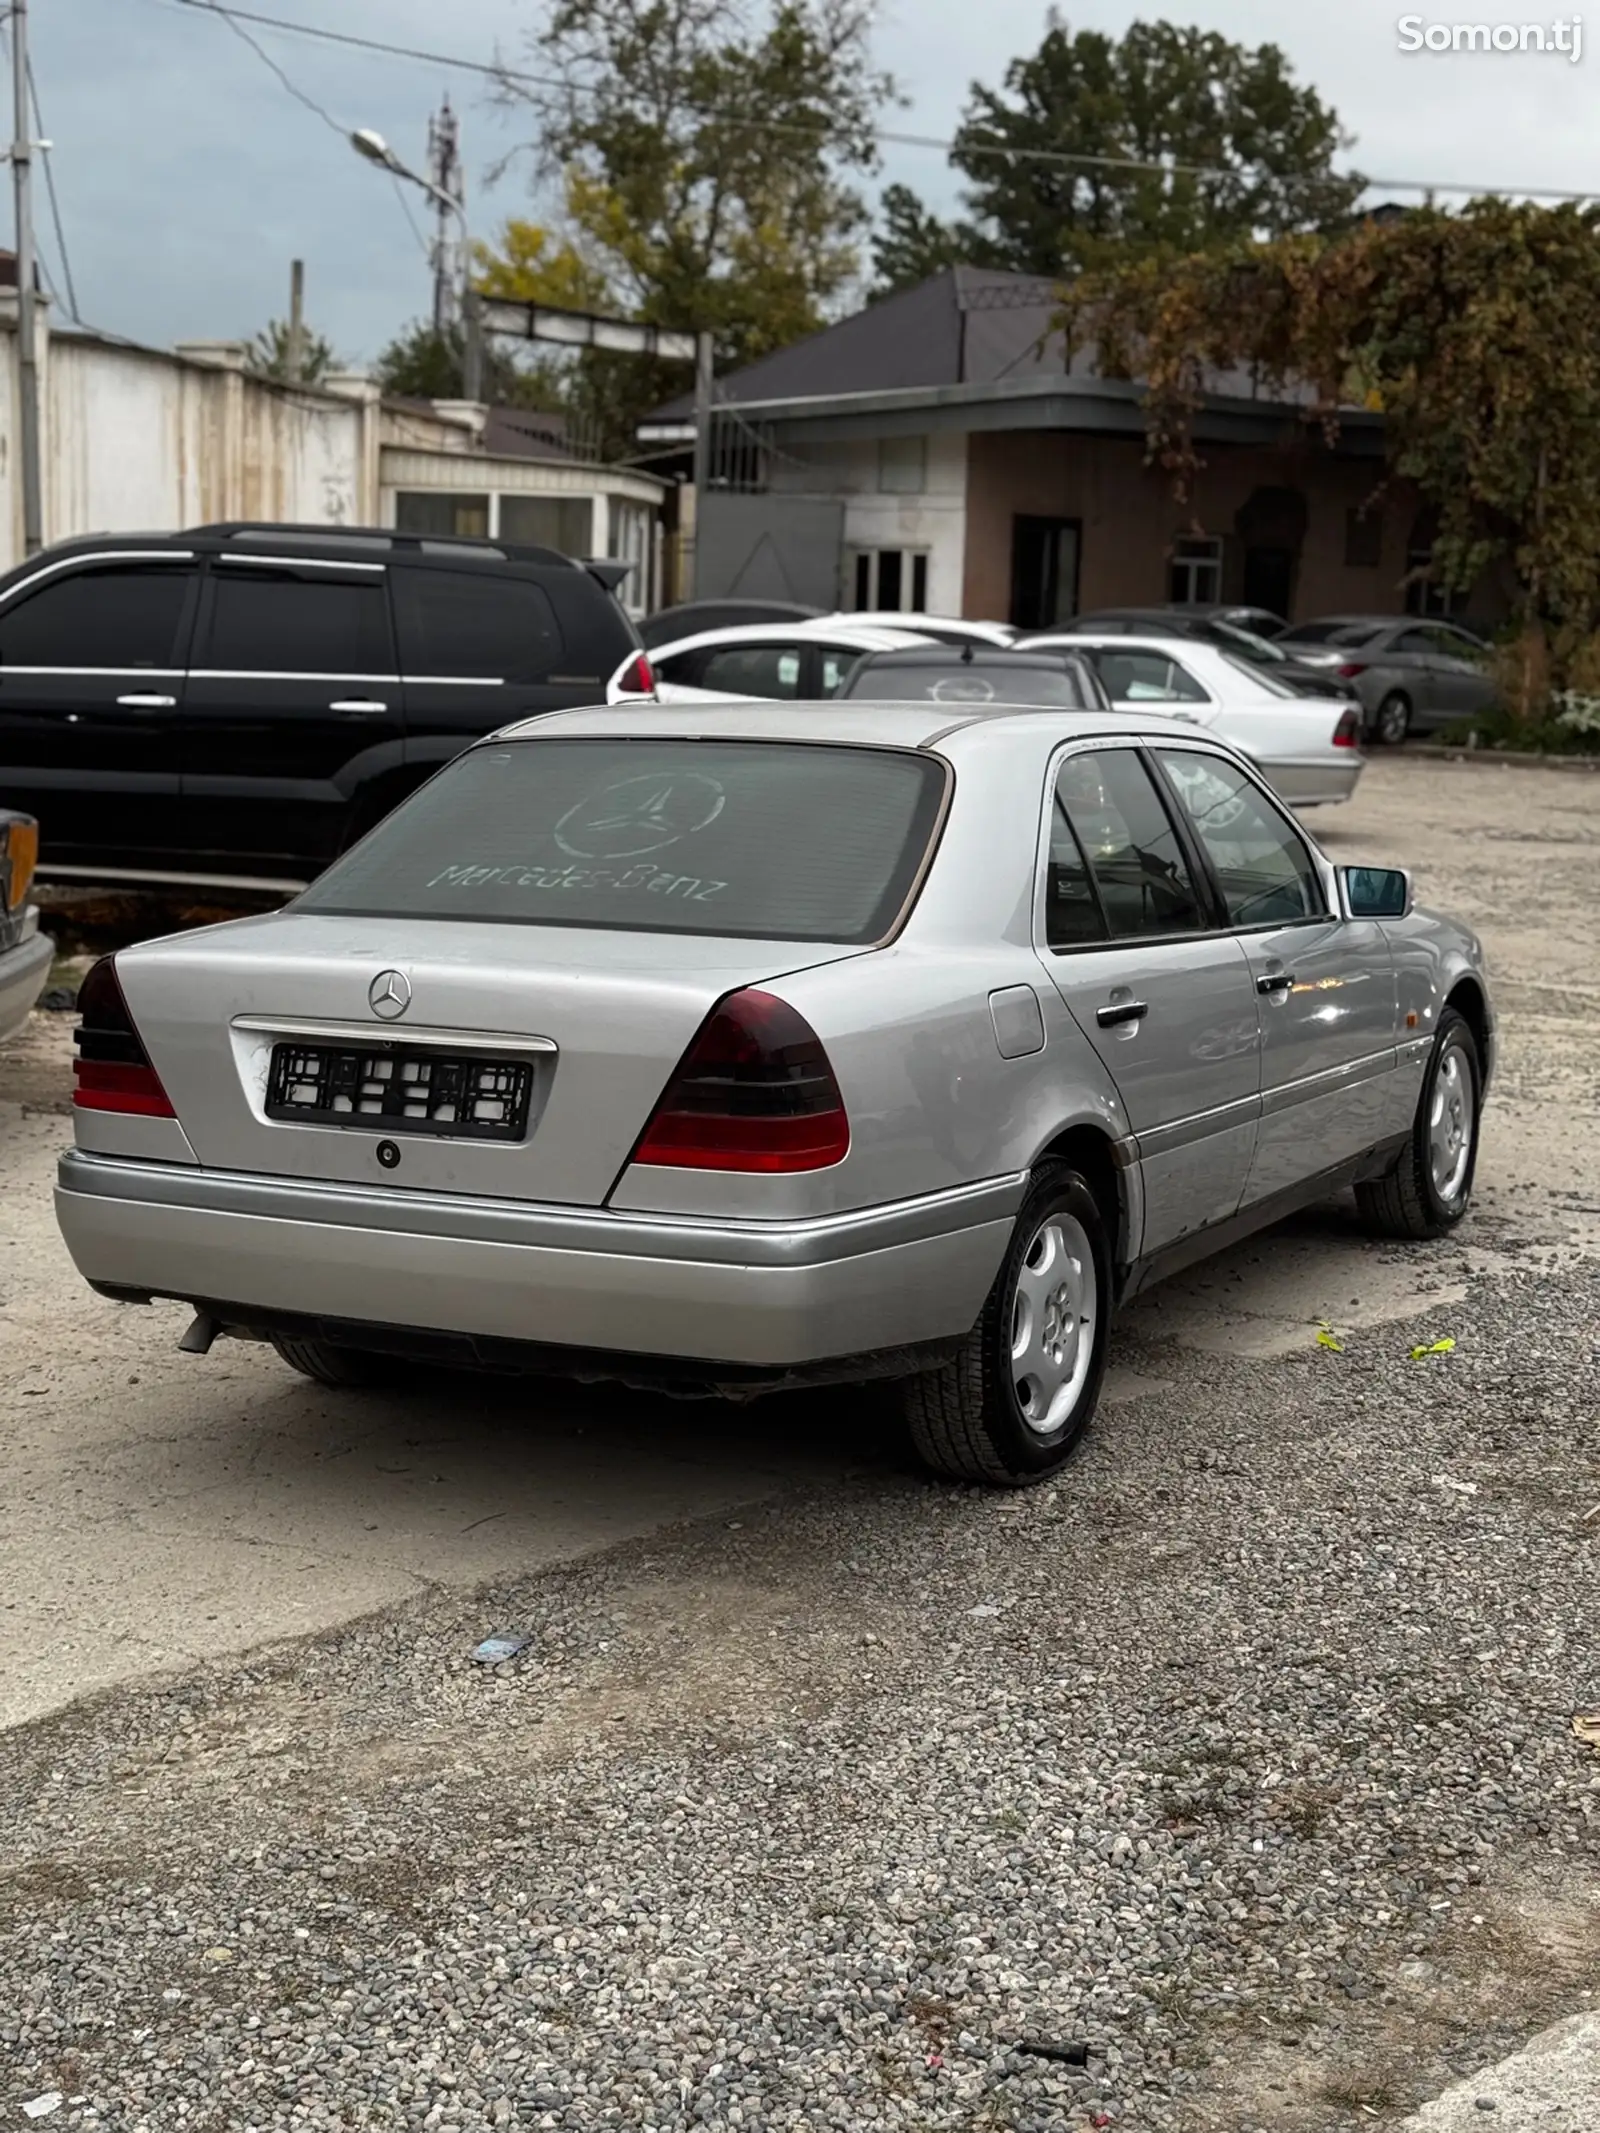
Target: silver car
(1412, 676)
(732, 1048)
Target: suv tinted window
(1130, 843)
(765, 840)
(458, 623)
(122, 618)
(270, 622)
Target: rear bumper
(1317, 783)
(23, 970)
(765, 1295)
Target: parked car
(1308, 750)
(25, 952)
(941, 674)
(669, 624)
(1412, 676)
(939, 629)
(787, 662)
(248, 700)
(726, 1049)
(1259, 621)
(1210, 627)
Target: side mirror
(1376, 892)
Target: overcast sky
(189, 177)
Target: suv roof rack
(385, 537)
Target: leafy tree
(1240, 149)
(424, 364)
(1474, 333)
(269, 354)
(705, 159)
(911, 244)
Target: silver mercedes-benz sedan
(741, 1047)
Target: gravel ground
(1242, 1756)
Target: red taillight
(113, 1069)
(753, 1092)
(1348, 669)
(637, 678)
(1347, 734)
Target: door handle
(1123, 1011)
(148, 703)
(1276, 981)
(362, 706)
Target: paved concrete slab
(1552, 2085)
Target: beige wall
(1129, 518)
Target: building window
(1423, 595)
(441, 512)
(891, 580)
(1363, 539)
(630, 543)
(1194, 578)
(565, 523)
(902, 465)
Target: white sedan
(780, 661)
(1307, 747)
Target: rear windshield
(760, 840)
(1000, 683)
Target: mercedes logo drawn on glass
(389, 994)
(639, 815)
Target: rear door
(292, 705)
(1166, 999)
(1463, 684)
(1325, 985)
(482, 647)
(91, 672)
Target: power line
(1056, 156)
(55, 204)
(227, 15)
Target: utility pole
(702, 458)
(294, 356)
(444, 175)
(454, 298)
(27, 292)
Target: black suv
(247, 699)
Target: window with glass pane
(753, 670)
(266, 623)
(470, 625)
(118, 619)
(1072, 913)
(1145, 678)
(440, 511)
(1127, 836)
(1260, 859)
(565, 523)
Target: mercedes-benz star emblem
(389, 994)
(639, 815)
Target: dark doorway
(1044, 571)
(1269, 579)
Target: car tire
(1391, 722)
(1009, 1407)
(330, 1365)
(1428, 1188)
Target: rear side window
(457, 625)
(751, 839)
(771, 670)
(1125, 833)
(273, 622)
(1145, 678)
(120, 618)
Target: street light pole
(703, 379)
(376, 149)
(27, 293)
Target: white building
(144, 440)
